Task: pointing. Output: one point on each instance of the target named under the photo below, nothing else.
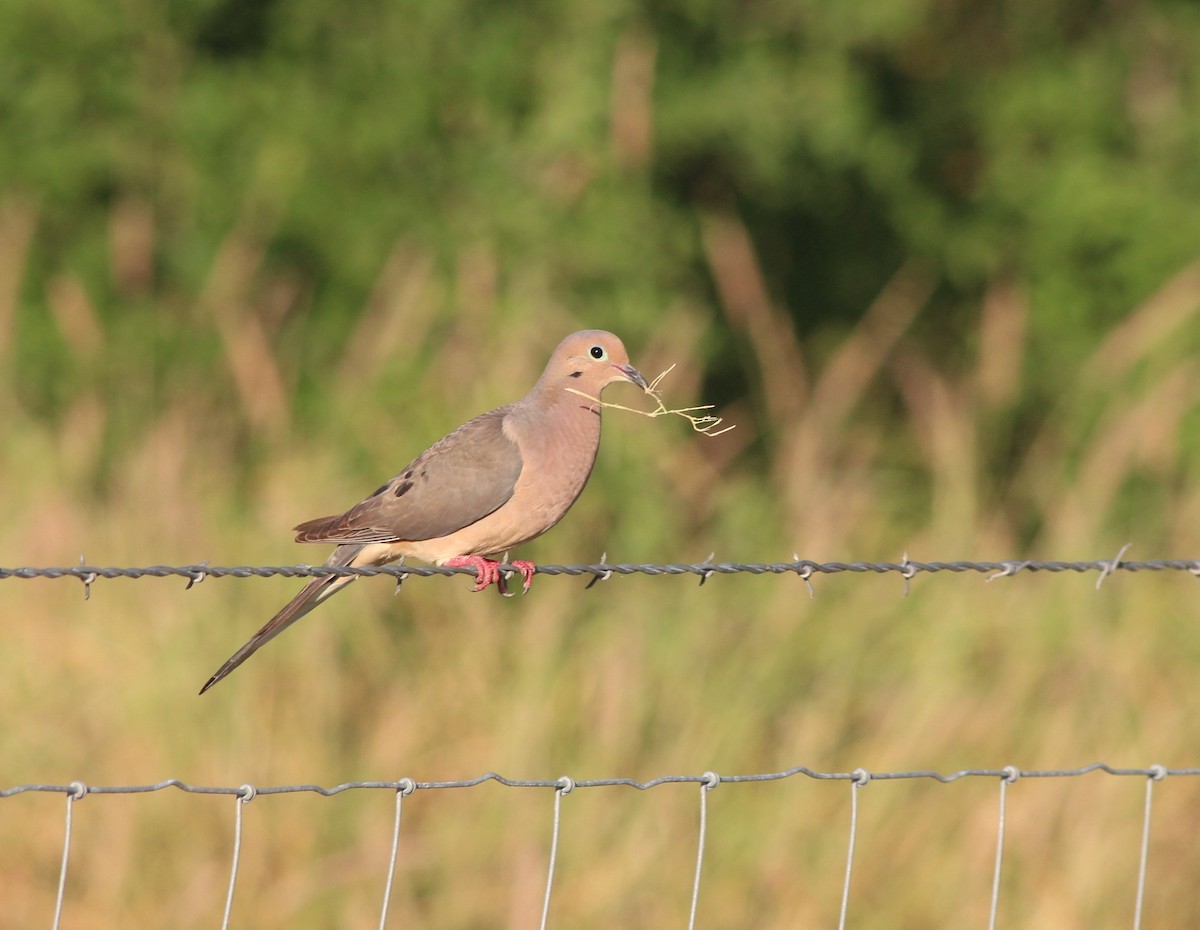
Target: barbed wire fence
(603, 570)
(404, 788)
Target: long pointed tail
(310, 596)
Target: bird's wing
(457, 481)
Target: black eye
(597, 352)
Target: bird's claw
(487, 572)
(526, 568)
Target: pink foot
(488, 572)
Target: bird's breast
(557, 457)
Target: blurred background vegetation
(937, 260)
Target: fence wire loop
(859, 779)
(243, 796)
(1009, 775)
(1157, 773)
(405, 787)
(76, 791)
(564, 785)
(708, 781)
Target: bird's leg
(487, 571)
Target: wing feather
(458, 480)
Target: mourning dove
(497, 481)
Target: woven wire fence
(405, 788)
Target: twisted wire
(603, 571)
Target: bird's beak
(633, 375)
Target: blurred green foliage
(1053, 143)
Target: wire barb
(805, 571)
(1110, 567)
(194, 578)
(1009, 569)
(87, 577)
(907, 571)
(600, 575)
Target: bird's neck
(562, 399)
(576, 418)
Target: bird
(497, 481)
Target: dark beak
(633, 375)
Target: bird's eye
(598, 353)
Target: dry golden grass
(636, 677)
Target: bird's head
(589, 361)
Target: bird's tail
(312, 594)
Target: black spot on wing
(379, 490)
(576, 374)
(403, 488)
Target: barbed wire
(805, 569)
(404, 788)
